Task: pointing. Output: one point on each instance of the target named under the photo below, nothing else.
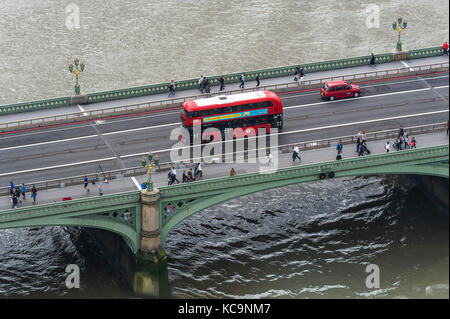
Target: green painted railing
(34, 106)
(422, 53)
(230, 78)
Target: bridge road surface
(78, 149)
(216, 170)
(230, 86)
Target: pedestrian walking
(401, 131)
(200, 83)
(173, 172)
(258, 78)
(24, 189)
(190, 174)
(358, 143)
(412, 143)
(372, 59)
(295, 153)
(208, 86)
(86, 184)
(100, 189)
(406, 141)
(18, 192)
(198, 169)
(297, 72)
(203, 84)
(339, 147)
(184, 177)
(34, 194)
(242, 79)
(301, 76)
(360, 150)
(14, 201)
(11, 188)
(387, 146)
(222, 83)
(232, 172)
(171, 88)
(445, 48)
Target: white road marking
(58, 166)
(136, 183)
(82, 110)
(406, 64)
(358, 98)
(141, 129)
(166, 150)
(309, 130)
(367, 86)
(441, 87)
(49, 142)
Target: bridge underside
(120, 214)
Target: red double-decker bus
(247, 111)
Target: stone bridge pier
(150, 276)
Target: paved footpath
(215, 170)
(231, 86)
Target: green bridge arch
(189, 199)
(107, 212)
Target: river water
(304, 241)
(139, 42)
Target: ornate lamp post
(76, 68)
(149, 168)
(399, 28)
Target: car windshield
(325, 87)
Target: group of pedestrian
(299, 74)
(189, 176)
(86, 186)
(204, 85)
(361, 144)
(17, 194)
(402, 142)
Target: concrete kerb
(283, 149)
(104, 113)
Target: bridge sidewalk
(231, 86)
(214, 170)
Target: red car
(339, 89)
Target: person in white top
(387, 147)
(200, 82)
(295, 153)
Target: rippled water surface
(304, 241)
(310, 240)
(138, 42)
